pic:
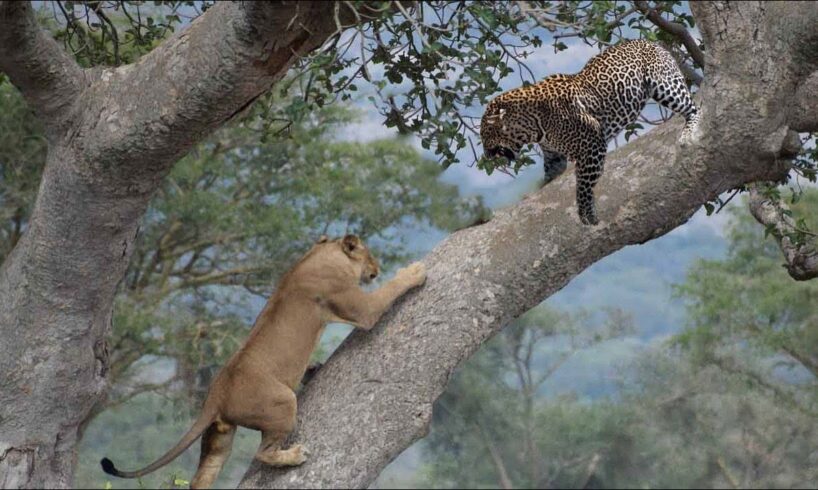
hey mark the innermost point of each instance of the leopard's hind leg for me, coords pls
(668, 88)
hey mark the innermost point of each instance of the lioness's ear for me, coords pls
(323, 239)
(350, 243)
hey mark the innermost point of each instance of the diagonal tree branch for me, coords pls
(673, 28)
(801, 259)
(200, 78)
(48, 77)
(374, 396)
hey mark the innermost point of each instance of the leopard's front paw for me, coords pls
(588, 216)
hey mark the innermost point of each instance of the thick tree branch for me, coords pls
(198, 79)
(801, 259)
(804, 115)
(374, 396)
(46, 75)
(674, 28)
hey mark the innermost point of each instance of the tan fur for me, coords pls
(255, 389)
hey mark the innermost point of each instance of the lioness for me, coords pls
(255, 387)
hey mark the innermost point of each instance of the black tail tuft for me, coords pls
(108, 467)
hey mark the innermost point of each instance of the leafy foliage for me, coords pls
(675, 422)
(115, 33)
(427, 66)
(433, 67)
(749, 300)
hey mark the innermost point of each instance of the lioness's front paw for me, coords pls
(299, 454)
(414, 274)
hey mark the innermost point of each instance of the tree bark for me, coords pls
(374, 396)
(113, 135)
(801, 259)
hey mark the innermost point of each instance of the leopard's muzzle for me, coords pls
(501, 151)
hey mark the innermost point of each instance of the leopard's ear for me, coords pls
(323, 239)
(350, 243)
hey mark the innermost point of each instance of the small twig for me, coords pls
(673, 28)
(734, 194)
(98, 10)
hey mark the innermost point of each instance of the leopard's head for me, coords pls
(506, 127)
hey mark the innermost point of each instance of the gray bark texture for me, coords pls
(113, 135)
(374, 396)
(801, 259)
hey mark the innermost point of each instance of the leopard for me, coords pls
(572, 117)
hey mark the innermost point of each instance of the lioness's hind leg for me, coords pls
(275, 424)
(271, 453)
(217, 442)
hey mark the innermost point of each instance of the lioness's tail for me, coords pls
(204, 420)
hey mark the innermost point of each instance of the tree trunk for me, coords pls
(374, 396)
(113, 135)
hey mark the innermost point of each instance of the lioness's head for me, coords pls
(358, 253)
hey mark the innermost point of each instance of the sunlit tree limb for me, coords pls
(46, 75)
